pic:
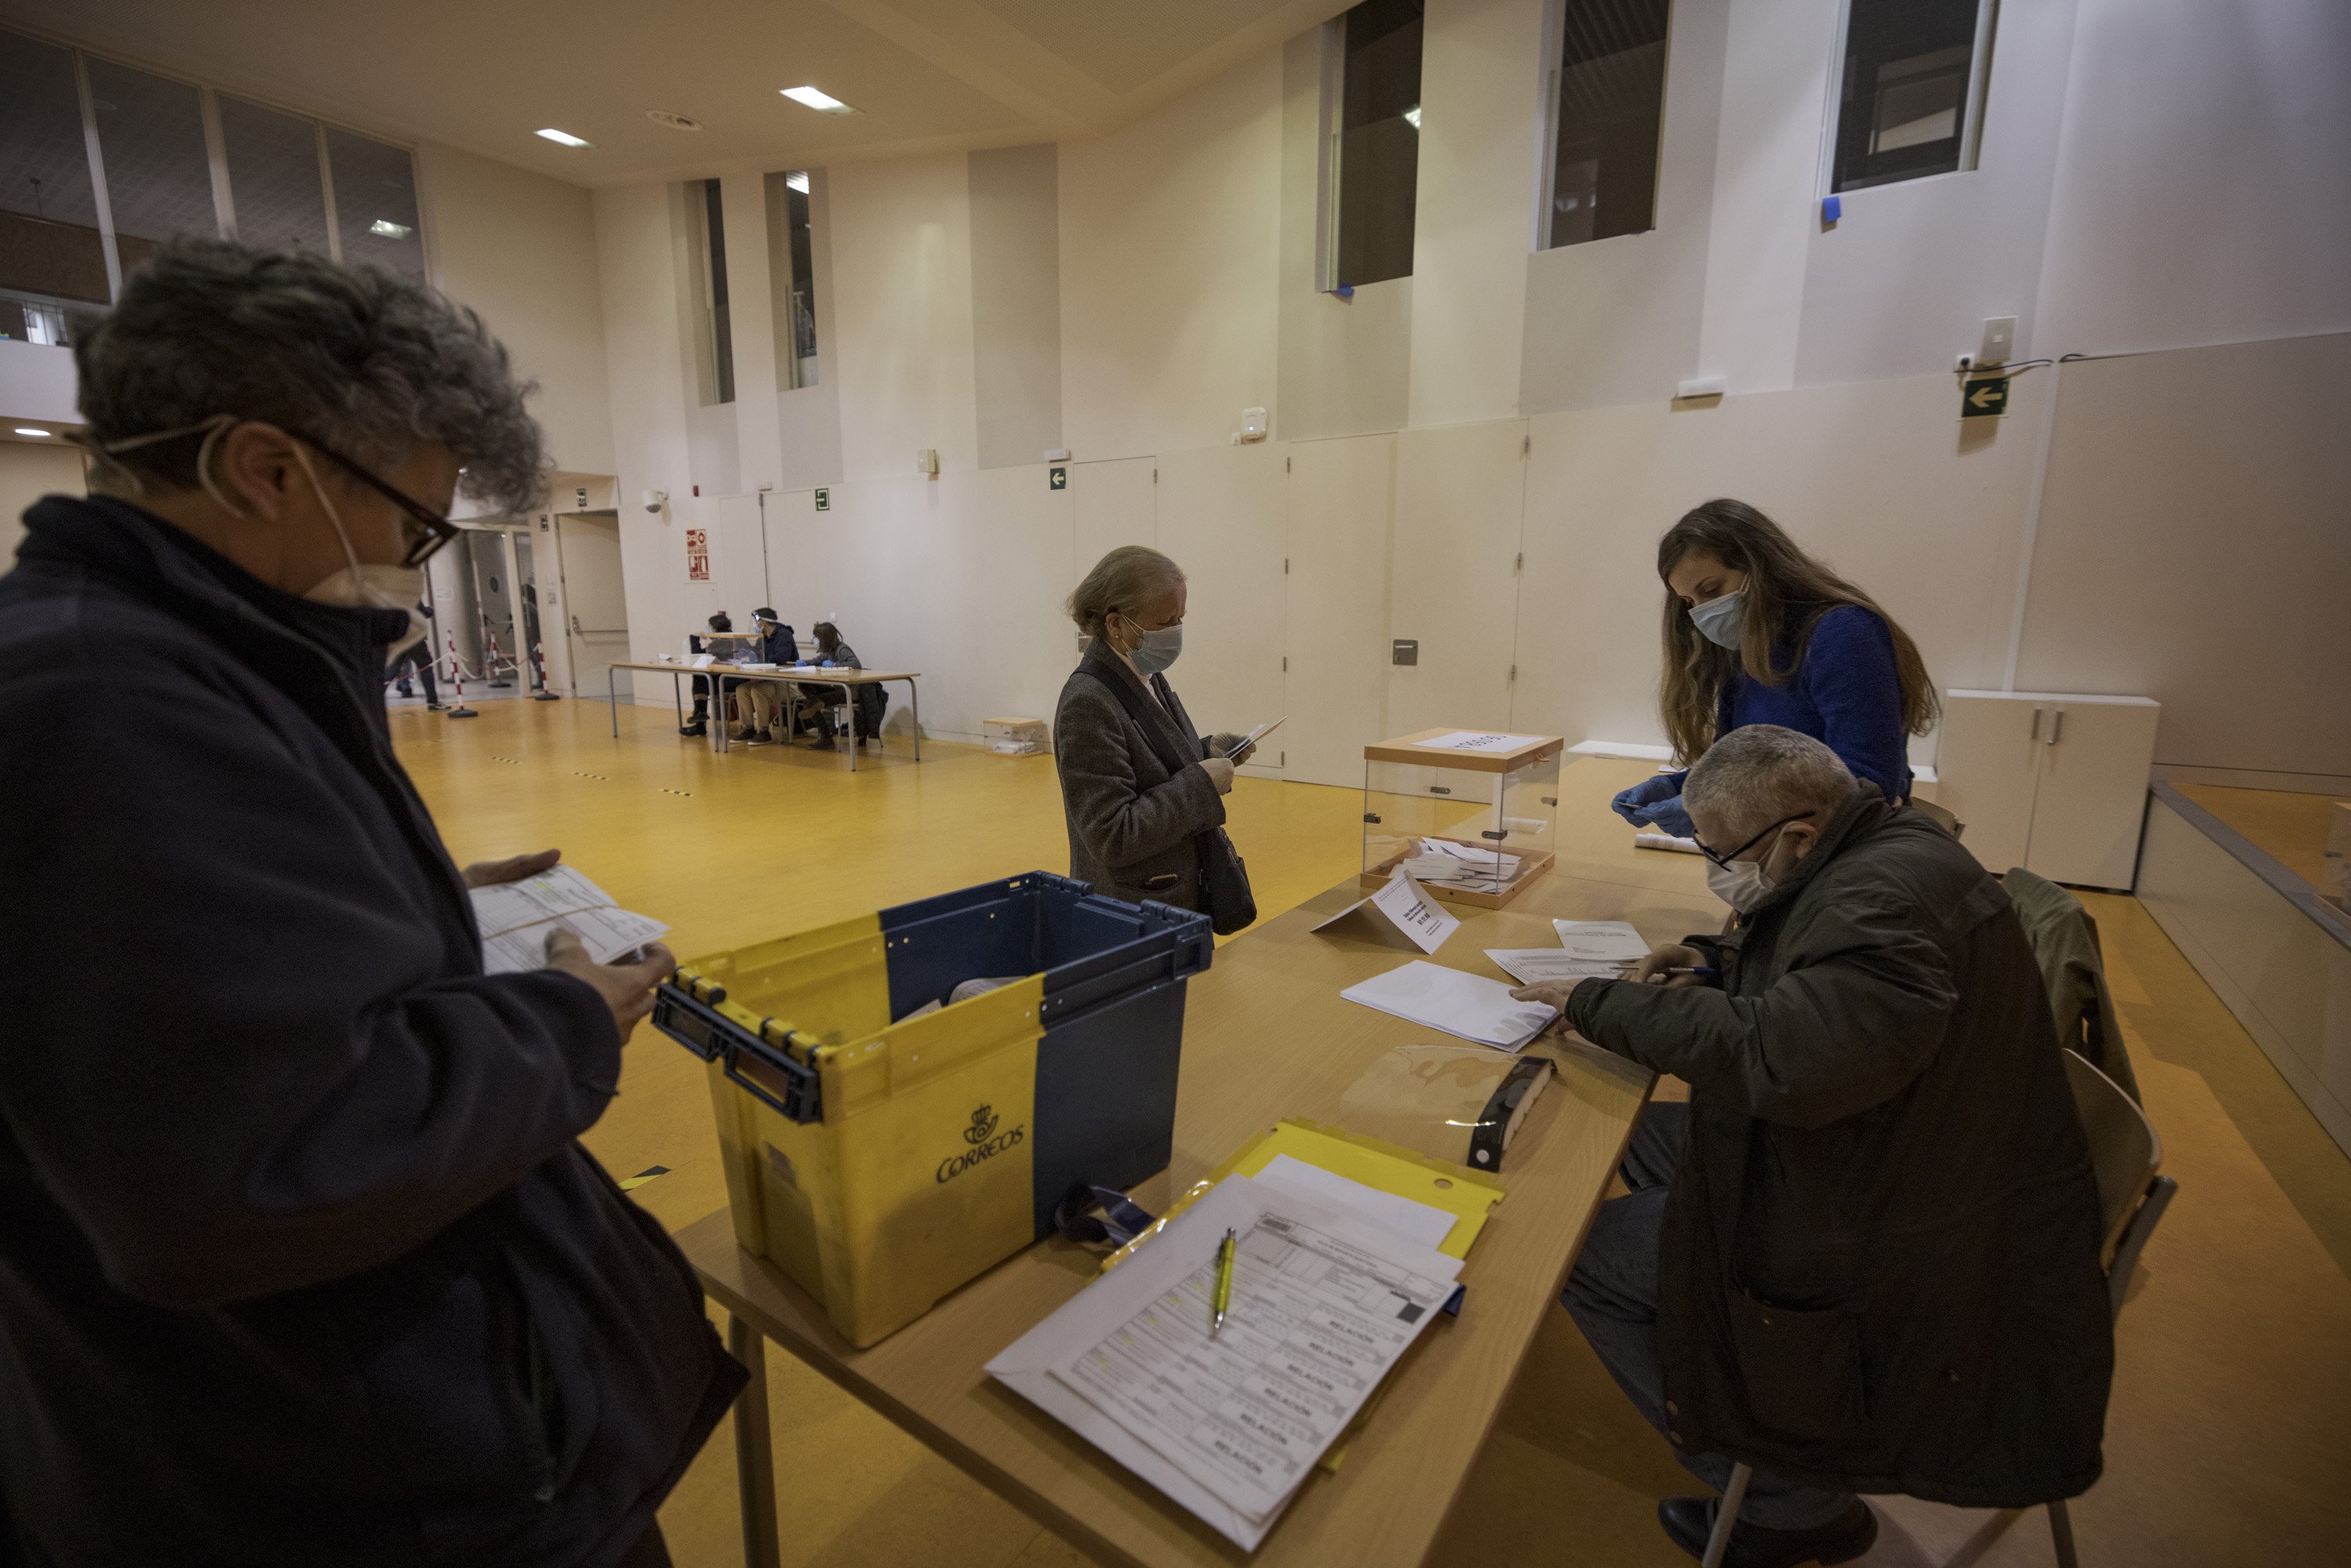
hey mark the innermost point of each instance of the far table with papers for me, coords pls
(1266, 1037)
(793, 676)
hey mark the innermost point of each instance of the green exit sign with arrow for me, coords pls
(1985, 398)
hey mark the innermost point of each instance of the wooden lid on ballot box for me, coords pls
(1416, 750)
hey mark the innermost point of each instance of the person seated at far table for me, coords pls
(776, 645)
(1864, 1258)
(816, 703)
(717, 650)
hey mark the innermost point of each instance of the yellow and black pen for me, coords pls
(1223, 1299)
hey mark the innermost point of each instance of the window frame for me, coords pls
(1330, 169)
(1970, 117)
(215, 154)
(1555, 43)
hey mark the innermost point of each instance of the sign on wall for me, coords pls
(1057, 478)
(698, 555)
(823, 500)
(1986, 398)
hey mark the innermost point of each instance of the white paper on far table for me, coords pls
(1477, 740)
(1402, 903)
(1466, 1005)
(1601, 940)
(517, 917)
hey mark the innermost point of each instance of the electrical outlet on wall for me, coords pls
(1999, 341)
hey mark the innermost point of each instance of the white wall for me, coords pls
(2153, 175)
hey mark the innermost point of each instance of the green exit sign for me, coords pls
(1984, 398)
(824, 500)
(1057, 478)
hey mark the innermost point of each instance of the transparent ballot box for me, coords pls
(1470, 813)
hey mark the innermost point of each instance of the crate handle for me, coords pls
(802, 1103)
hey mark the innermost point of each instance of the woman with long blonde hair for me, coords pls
(1757, 631)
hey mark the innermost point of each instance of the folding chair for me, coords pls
(2125, 1155)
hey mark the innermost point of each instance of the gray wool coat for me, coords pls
(1133, 825)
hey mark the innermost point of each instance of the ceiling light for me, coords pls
(1411, 118)
(675, 121)
(565, 137)
(798, 181)
(822, 103)
(390, 230)
(28, 430)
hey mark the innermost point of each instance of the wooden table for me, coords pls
(1266, 1037)
(788, 674)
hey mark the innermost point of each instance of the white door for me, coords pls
(2094, 760)
(1220, 517)
(1341, 514)
(1115, 504)
(1987, 770)
(1460, 496)
(738, 560)
(595, 614)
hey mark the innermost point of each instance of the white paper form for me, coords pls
(1253, 737)
(1470, 1005)
(517, 917)
(1403, 905)
(1418, 1222)
(1603, 941)
(1549, 966)
(1188, 1245)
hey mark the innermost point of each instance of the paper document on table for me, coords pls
(1549, 966)
(1470, 1005)
(1477, 740)
(1601, 940)
(1419, 1222)
(1403, 905)
(1323, 1304)
(517, 917)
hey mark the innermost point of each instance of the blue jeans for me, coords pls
(1612, 1294)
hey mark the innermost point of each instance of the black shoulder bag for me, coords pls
(1225, 892)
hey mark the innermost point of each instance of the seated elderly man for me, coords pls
(1864, 1258)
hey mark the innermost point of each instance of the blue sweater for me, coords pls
(1845, 694)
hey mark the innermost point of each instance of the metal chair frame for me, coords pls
(2143, 1206)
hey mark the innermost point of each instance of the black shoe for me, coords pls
(1690, 1520)
(405, 689)
(435, 707)
(694, 730)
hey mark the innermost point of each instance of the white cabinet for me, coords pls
(2054, 783)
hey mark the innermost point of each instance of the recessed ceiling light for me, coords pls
(28, 430)
(822, 103)
(566, 138)
(390, 230)
(675, 121)
(1412, 116)
(798, 181)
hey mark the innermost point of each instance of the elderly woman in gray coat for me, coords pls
(1135, 812)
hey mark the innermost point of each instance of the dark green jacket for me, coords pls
(2065, 945)
(1879, 1266)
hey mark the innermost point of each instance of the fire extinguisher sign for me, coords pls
(698, 555)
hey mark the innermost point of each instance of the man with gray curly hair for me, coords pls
(301, 1259)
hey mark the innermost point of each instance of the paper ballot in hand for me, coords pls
(517, 918)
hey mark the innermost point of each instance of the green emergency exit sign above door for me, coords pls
(1057, 478)
(1985, 398)
(824, 500)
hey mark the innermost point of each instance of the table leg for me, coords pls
(754, 1464)
(915, 701)
(613, 695)
(855, 745)
(677, 700)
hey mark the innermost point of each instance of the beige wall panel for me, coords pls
(902, 265)
(1114, 504)
(1455, 584)
(1220, 516)
(1342, 520)
(1016, 303)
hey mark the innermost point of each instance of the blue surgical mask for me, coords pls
(1720, 620)
(1158, 649)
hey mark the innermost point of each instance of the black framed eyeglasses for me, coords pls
(1724, 860)
(438, 529)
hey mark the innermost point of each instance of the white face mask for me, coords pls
(370, 585)
(1158, 649)
(1720, 620)
(1740, 885)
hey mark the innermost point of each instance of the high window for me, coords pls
(1608, 98)
(100, 164)
(703, 218)
(1910, 98)
(1374, 157)
(791, 280)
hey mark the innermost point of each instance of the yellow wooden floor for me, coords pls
(2226, 1440)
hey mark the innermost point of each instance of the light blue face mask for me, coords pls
(1720, 620)
(1157, 649)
